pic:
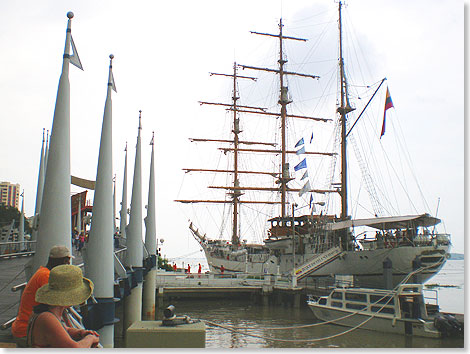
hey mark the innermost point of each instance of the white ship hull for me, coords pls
(366, 266)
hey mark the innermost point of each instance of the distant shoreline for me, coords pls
(457, 256)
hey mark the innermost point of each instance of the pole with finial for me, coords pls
(150, 282)
(55, 226)
(123, 211)
(133, 303)
(99, 250)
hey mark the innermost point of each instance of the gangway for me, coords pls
(317, 262)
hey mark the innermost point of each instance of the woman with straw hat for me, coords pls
(67, 287)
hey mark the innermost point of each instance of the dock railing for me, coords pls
(17, 248)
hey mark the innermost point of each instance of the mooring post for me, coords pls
(388, 275)
(416, 264)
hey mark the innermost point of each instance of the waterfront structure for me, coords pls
(9, 194)
(55, 221)
(100, 247)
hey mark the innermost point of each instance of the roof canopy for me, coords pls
(385, 223)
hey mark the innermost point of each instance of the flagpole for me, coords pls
(55, 223)
(100, 247)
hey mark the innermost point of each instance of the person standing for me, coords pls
(58, 255)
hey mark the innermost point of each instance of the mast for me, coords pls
(236, 130)
(343, 110)
(284, 178)
(283, 101)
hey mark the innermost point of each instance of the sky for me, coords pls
(164, 52)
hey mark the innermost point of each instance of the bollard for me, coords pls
(388, 275)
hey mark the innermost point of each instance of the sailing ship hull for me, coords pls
(366, 266)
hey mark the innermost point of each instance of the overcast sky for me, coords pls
(163, 54)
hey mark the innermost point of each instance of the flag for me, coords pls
(301, 150)
(305, 175)
(300, 165)
(305, 188)
(388, 104)
(311, 201)
(113, 84)
(311, 138)
(300, 142)
(74, 58)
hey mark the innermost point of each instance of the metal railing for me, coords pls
(17, 248)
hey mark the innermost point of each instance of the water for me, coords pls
(241, 313)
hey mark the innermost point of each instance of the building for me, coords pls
(9, 194)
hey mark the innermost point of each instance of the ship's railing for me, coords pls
(17, 248)
(421, 239)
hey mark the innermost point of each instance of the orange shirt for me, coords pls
(20, 325)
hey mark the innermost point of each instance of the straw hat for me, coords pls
(66, 287)
(60, 252)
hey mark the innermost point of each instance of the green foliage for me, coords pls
(8, 213)
(163, 264)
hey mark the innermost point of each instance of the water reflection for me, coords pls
(256, 320)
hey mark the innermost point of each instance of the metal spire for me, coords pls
(151, 245)
(123, 212)
(133, 305)
(100, 247)
(55, 225)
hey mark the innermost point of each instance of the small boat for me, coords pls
(401, 311)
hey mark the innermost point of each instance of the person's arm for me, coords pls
(50, 332)
(79, 333)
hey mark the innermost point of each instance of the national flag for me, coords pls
(300, 165)
(300, 142)
(301, 151)
(311, 138)
(305, 188)
(388, 104)
(74, 58)
(305, 175)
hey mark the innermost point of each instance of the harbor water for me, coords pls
(258, 321)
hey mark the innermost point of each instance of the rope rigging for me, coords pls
(235, 329)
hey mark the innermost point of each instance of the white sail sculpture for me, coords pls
(39, 190)
(21, 226)
(150, 282)
(123, 211)
(100, 247)
(133, 303)
(55, 221)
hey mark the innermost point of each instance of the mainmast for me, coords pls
(284, 177)
(343, 110)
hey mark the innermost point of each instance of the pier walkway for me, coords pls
(11, 275)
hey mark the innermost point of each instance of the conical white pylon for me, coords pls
(100, 247)
(55, 222)
(150, 282)
(133, 304)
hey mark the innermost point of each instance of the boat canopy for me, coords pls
(386, 223)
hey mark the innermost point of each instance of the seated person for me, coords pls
(67, 287)
(57, 255)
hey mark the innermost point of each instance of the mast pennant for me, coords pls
(74, 58)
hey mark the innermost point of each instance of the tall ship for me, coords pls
(307, 232)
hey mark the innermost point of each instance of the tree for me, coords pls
(8, 213)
